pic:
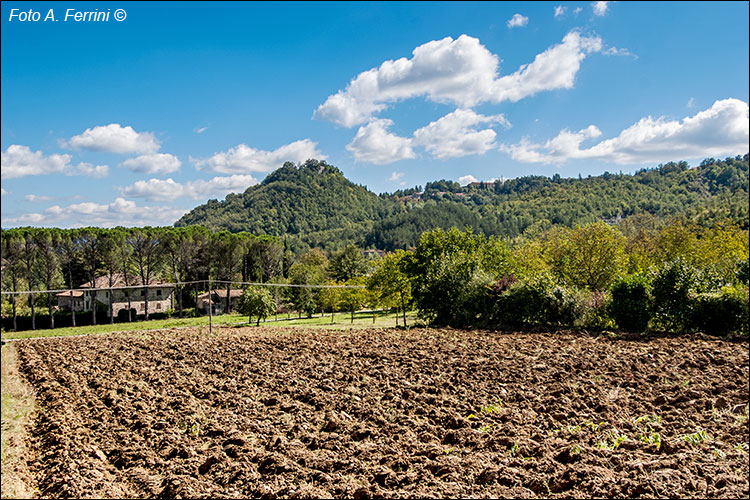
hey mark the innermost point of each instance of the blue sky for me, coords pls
(134, 122)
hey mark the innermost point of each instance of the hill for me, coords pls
(317, 206)
(313, 202)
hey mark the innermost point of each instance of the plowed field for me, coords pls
(437, 413)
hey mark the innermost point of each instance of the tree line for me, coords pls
(643, 272)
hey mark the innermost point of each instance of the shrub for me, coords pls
(630, 305)
(538, 302)
(595, 309)
(721, 313)
(743, 272)
(670, 292)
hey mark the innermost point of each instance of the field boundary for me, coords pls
(17, 407)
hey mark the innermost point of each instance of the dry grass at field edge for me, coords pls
(17, 405)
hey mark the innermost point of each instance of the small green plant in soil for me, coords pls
(614, 441)
(696, 438)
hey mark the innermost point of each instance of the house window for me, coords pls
(143, 293)
(158, 306)
(158, 292)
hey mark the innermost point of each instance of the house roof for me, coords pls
(222, 294)
(68, 293)
(118, 280)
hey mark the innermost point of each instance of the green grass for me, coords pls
(340, 320)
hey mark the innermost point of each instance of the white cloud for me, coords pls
(454, 135)
(577, 10)
(560, 10)
(3, 192)
(157, 163)
(396, 177)
(600, 8)
(200, 130)
(114, 138)
(19, 161)
(517, 20)
(34, 198)
(721, 130)
(374, 144)
(90, 170)
(691, 103)
(467, 179)
(154, 190)
(243, 159)
(461, 71)
(555, 68)
(166, 190)
(120, 212)
(614, 51)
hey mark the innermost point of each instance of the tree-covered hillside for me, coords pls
(316, 205)
(313, 203)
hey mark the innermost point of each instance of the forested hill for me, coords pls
(313, 202)
(317, 205)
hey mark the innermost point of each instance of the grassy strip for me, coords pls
(340, 320)
(17, 404)
(123, 327)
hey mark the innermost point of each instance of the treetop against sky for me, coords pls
(133, 113)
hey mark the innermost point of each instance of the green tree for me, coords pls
(47, 242)
(256, 301)
(450, 271)
(348, 263)
(12, 266)
(29, 259)
(148, 255)
(353, 298)
(391, 283)
(591, 256)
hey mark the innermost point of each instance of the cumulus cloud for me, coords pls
(467, 179)
(166, 190)
(721, 130)
(600, 8)
(157, 163)
(454, 135)
(374, 144)
(462, 72)
(243, 159)
(114, 138)
(120, 212)
(19, 161)
(560, 10)
(517, 20)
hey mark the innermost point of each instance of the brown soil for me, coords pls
(425, 413)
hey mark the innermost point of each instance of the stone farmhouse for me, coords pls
(219, 300)
(160, 296)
